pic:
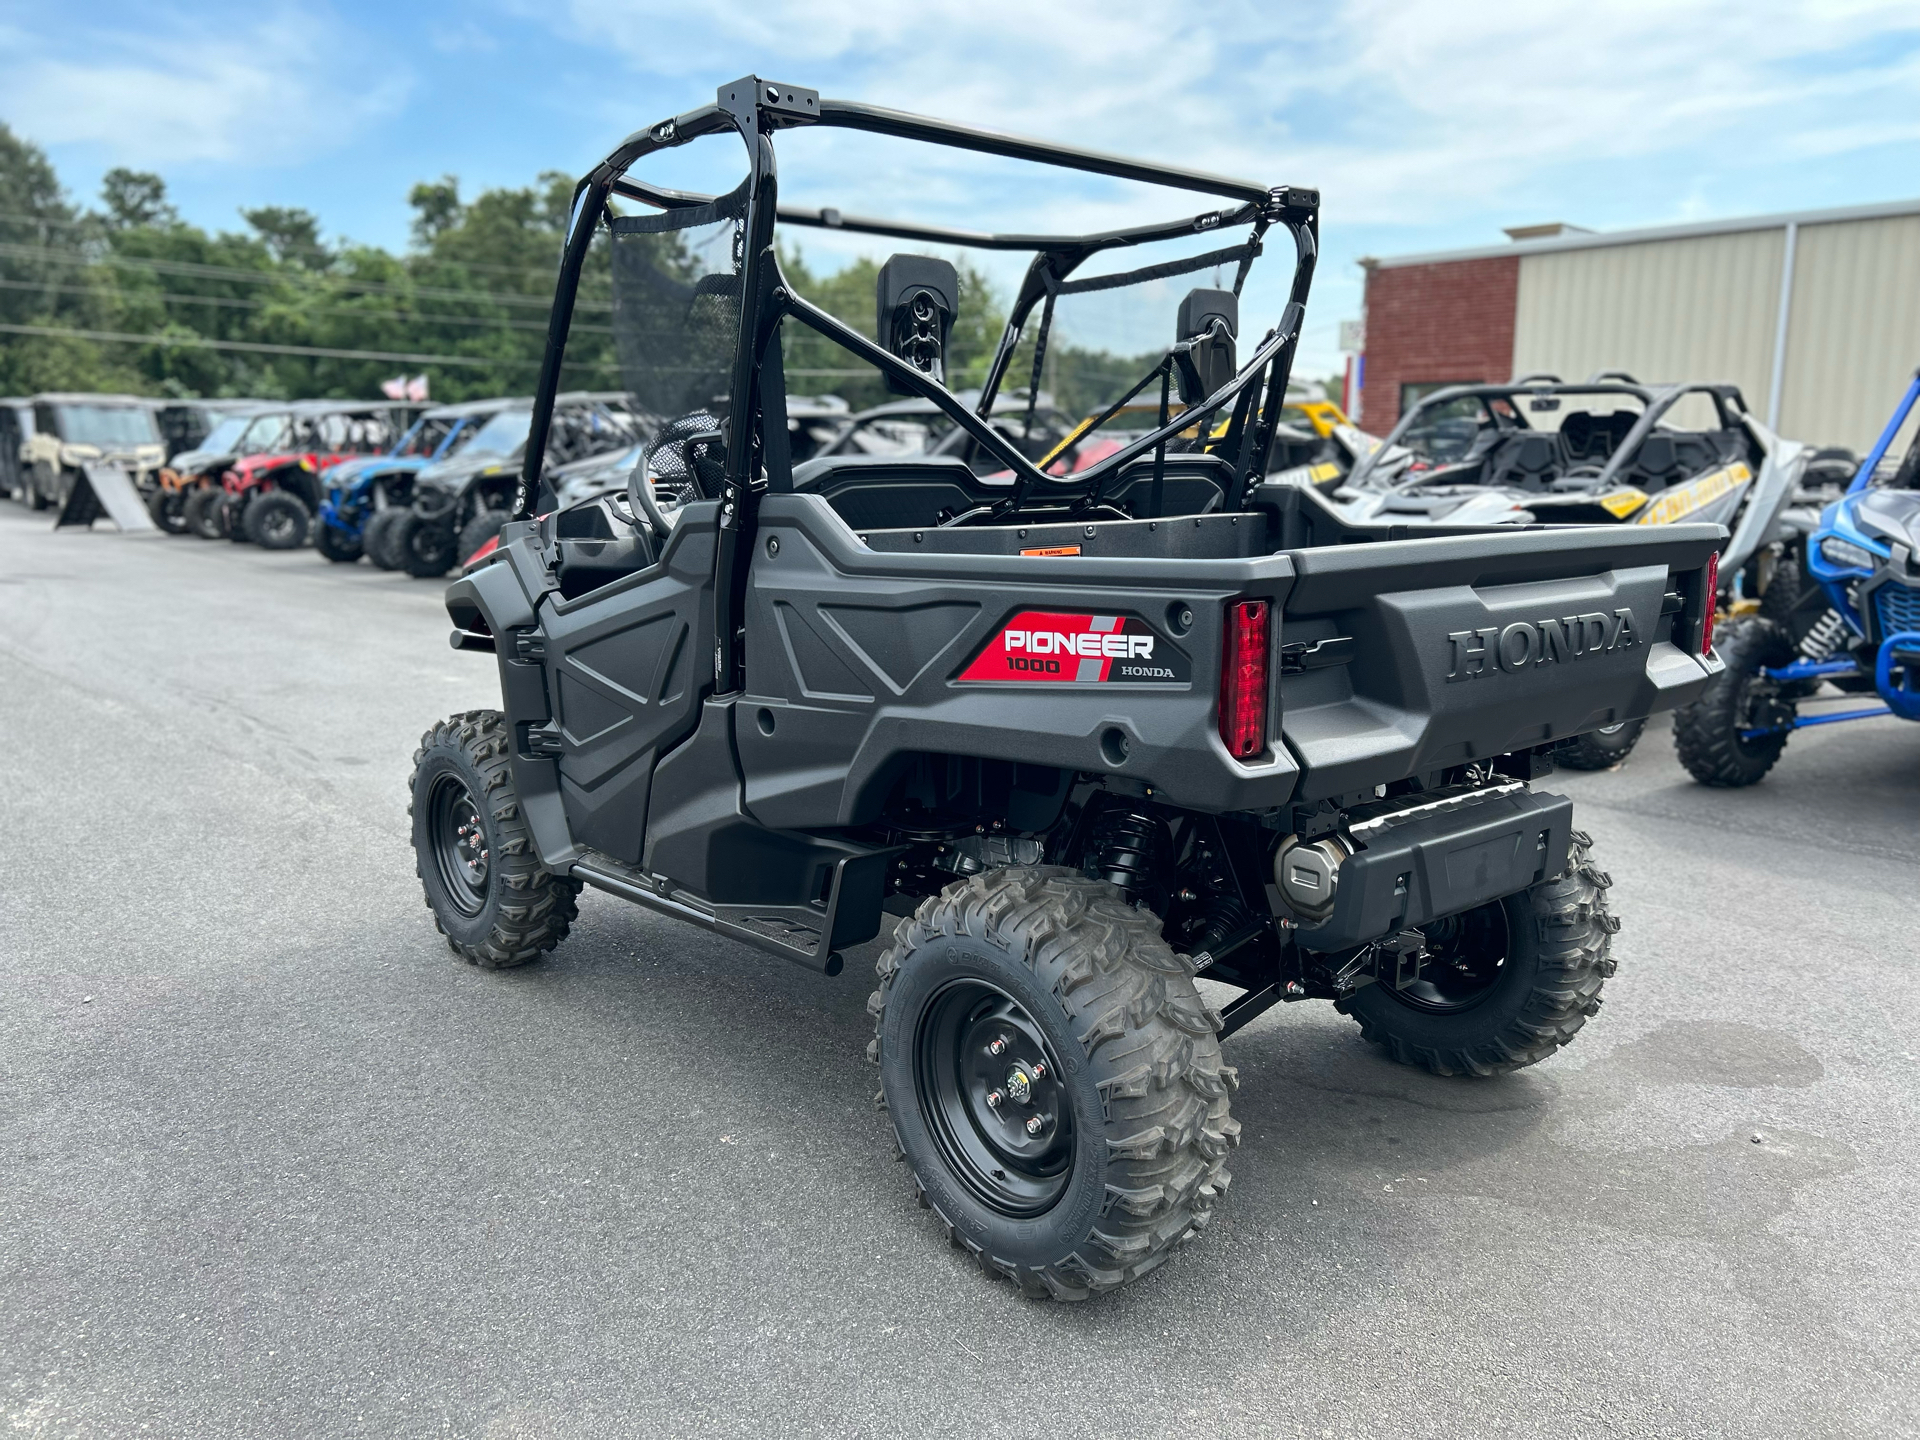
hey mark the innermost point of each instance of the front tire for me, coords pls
(276, 520)
(201, 512)
(168, 509)
(425, 546)
(1600, 749)
(376, 539)
(1708, 734)
(1084, 1175)
(1506, 984)
(484, 526)
(336, 544)
(490, 895)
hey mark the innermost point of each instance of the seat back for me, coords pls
(885, 492)
(1193, 485)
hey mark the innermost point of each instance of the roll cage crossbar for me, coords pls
(1657, 400)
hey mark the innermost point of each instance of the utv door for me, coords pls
(625, 666)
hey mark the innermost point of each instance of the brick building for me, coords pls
(1815, 315)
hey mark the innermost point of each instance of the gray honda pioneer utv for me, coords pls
(1094, 737)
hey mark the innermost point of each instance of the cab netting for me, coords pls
(676, 304)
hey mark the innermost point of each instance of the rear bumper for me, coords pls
(1408, 873)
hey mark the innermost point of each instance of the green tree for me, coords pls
(291, 235)
(135, 198)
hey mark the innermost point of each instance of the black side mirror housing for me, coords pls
(916, 299)
(1204, 355)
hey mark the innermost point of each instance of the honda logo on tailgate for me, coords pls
(1078, 649)
(1528, 644)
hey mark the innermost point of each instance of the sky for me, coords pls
(1424, 125)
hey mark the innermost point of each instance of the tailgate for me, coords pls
(1466, 647)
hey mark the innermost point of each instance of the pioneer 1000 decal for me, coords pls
(1038, 645)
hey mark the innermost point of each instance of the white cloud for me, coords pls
(1384, 103)
(277, 89)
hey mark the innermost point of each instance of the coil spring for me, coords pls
(1824, 638)
(1127, 847)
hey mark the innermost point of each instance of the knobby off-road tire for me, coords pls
(477, 531)
(1707, 733)
(1600, 749)
(425, 547)
(1137, 1098)
(1782, 592)
(1481, 1018)
(169, 510)
(336, 544)
(201, 512)
(377, 538)
(495, 902)
(275, 520)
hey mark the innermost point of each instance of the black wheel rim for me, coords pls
(460, 849)
(1466, 957)
(989, 1088)
(279, 525)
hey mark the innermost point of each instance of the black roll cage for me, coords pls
(1729, 403)
(756, 423)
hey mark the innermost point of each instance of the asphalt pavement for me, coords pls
(274, 1163)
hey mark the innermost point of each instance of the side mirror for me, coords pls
(1204, 356)
(915, 299)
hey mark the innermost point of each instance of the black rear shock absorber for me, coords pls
(1126, 849)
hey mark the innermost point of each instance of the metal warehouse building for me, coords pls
(1815, 315)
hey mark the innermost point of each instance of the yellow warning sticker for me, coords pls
(1325, 470)
(1678, 503)
(1622, 503)
(1053, 550)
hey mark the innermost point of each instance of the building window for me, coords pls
(1411, 395)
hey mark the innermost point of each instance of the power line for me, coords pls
(270, 277)
(195, 342)
(228, 302)
(27, 218)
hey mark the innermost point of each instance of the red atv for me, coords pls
(271, 494)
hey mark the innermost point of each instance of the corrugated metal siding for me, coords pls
(1695, 309)
(1854, 336)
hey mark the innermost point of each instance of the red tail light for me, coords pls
(1713, 602)
(1243, 680)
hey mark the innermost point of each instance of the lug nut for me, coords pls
(994, 1097)
(1039, 1069)
(997, 1046)
(1035, 1124)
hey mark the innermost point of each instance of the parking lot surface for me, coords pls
(276, 1163)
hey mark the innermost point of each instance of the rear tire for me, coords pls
(1510, 983)
(377, 538)
(41, 487)
(336, 544)
(490, 895)
(1707, 733)
(1600, 749)
(425, 546)
(201, 512)
(483, 527)
(1133, 1125)
(275, 520)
